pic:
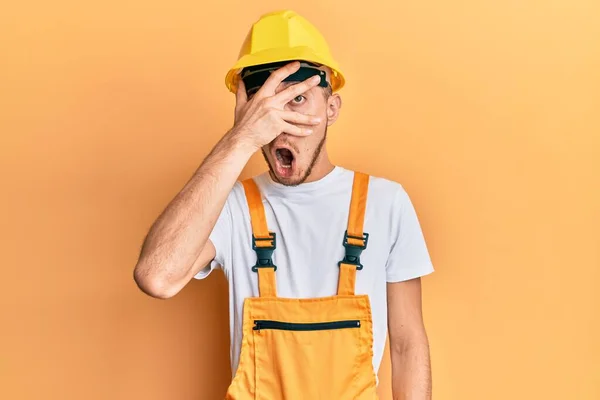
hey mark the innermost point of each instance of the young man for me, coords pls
(322, 262)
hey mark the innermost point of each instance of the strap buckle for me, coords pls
(264, 254)
(353, 251)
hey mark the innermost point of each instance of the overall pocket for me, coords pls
(261, 324)
(307, 360)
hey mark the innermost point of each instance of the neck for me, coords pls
(321, 168)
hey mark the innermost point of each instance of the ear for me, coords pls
(334, 104)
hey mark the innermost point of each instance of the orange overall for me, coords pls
(318, 348)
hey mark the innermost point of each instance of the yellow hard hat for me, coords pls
(283, 36)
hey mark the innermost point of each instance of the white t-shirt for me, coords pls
(309, 221)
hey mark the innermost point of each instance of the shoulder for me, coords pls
(237, 198)
(388, 191)
(384, 185)
(236, 201)
(237, 191)
(378, 185)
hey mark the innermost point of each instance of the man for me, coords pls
(321, 261)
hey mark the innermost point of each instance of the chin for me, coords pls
(286, 175)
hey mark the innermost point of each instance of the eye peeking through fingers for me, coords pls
(298, 100)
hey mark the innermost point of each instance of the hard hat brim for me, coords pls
(279, 54)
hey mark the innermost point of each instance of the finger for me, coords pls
(276, 77)
(299, 118)
(241, 97)
(295, 130)
(292, 91)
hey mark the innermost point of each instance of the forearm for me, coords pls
(179, 234)
(411, 370)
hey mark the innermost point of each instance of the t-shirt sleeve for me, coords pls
(221, 239)
(409, 257)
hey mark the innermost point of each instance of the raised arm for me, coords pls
(177, 245)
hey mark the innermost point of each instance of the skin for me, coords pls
(281, 114)
(409, 345)
(311, 161)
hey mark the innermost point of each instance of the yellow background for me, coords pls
(486, 111)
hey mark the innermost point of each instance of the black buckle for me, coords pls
(264, 255)
(353, 251)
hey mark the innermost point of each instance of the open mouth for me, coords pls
(285, 157)
(284, 161)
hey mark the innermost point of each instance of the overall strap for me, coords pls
(263, 241)
(355, 240)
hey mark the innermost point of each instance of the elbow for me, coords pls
(414, 341)
(154, 285)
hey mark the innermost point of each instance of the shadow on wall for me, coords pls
(209, 300)
(188, 336)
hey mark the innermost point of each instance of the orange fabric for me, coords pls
(347, 279)
(292, 358)
(297, 365)
(267, 286)
(356, 217)
(257, 212)
(358, 205)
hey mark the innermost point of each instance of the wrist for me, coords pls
(238, 140)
